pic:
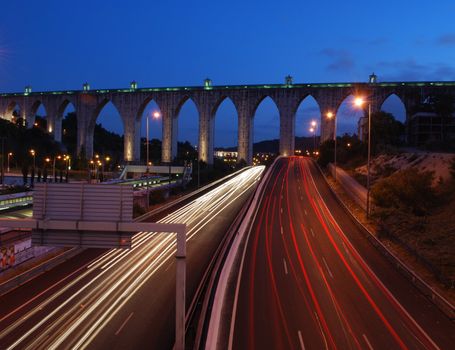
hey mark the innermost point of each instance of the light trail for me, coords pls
(109, 282)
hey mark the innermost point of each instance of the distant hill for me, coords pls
(272, 146)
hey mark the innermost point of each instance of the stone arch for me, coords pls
(9, 110)
(91, 123)
(259, 101)
(349, 117)
(217, 112)
(191, 108)
(391, 103)
(307, 110)
(272, 119)
(140, 140)
(31, 114)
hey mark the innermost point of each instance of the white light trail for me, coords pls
(114, 278)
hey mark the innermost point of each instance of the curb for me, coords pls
(443, 304)
(26, 276)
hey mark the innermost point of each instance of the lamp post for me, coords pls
(359, 102)
(155, 115)
(10, 154)
(33, 153)
(313, 130)
(330, 115)
(53, 167)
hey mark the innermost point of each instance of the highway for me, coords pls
(122, 299)
(309, 279)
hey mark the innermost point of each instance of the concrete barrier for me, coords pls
(355, 190)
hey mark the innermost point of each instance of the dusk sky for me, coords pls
(57, 45)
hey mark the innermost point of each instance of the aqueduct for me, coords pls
(131, 103)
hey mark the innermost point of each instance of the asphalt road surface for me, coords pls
(122, 299)
(311, 280)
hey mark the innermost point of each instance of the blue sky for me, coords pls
(56, 45)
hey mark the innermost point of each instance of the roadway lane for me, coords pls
(126, 298)
(310, 279)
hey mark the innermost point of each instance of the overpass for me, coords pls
(131, 103)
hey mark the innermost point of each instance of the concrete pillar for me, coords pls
(128, 139)
(206, 137)
(287, 131)
(57, 129)
(170, 129)
(85, 109)
(245, 136)
(28, 114)
(89, 142)
(137, 140)
(54, 121)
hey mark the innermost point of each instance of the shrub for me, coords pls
(407, 190)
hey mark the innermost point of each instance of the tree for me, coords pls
(385, 131)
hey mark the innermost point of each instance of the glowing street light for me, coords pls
(359, 102)
(33, 153)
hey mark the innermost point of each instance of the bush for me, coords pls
(408, 190)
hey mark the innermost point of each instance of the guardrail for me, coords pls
(443, 304)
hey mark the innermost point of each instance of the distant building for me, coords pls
(427, 127)
(226, 154)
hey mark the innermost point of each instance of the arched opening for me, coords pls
(395, 106)
(151, 120)
(349, 118)
(266, 130)
(38, 117)
(226, 132)
(307, 126)
(13, 113)
(104, 140)
(187, 124)
(65, 128)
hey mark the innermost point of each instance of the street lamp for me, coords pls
(359, 102)
(33, 153)
(330, 115)
(53, 166)
(10, 154)
(313, 130)
(155, 115)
